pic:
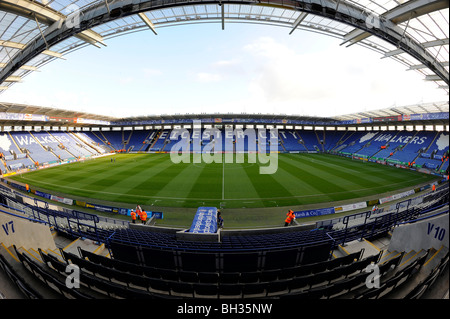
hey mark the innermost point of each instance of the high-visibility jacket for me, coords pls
(290, 217)
(143, 215)
(133, 215)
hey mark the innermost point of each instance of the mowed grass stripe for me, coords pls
(208, 185)
(298, 185)
(339, 177)
(372, 171)
(320, 180)
(140, 175)
(391, 178)
(375, 174)
(81, 185)
(266, 185)
(238, 184)
(183, 184)
(150, 181)
(118, 173)
(81, 172)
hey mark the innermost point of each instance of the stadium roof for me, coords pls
(436, 107)
(61, 117)
(36, 32)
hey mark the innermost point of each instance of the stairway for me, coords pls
(9, 290)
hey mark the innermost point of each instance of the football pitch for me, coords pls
(155, 180)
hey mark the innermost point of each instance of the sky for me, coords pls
(245, 68)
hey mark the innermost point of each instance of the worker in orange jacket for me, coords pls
(290, 218)
(143, 217)
(133, 216)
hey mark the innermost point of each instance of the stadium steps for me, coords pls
(127, 141)
(432, 260)
(65, 147)
(341, 141)
(83, 243)
(281, 142)
(320, 141)
(301, 141)
(154, 140)
(88, 142)
(18, 268)
(145, 139)
(370, 248)
(83, 144)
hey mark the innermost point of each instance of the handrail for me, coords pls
(422, 218)
(24, 217)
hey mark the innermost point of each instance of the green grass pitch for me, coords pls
(153, 179)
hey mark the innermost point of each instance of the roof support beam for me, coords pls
(410, 10)
(423, 66)
(425, 45)
(44, 15)
(435, 43)
(23, 67)
(432, 78)
(13, 78)
(346, 12)
(21, 46)
(147, 21)
(297, 21)
(222, 13)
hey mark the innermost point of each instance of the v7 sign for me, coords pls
(8, 227)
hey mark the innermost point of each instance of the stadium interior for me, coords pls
(396, 250)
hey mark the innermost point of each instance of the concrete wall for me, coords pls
(425, 234)
(24, 233)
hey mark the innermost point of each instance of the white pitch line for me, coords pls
(223, 177)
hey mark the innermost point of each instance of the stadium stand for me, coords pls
(332, 139)
(291, 141)
(137, 140)
(393, 145)
(412, 149)
(420, 149)
(160, 141)
(309, 140)
(98, 139)
(30, 144)
(122, 262)
(354, 142)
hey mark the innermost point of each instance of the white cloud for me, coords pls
(226, 63)
(151, 72)
(332, 81)
(125, 80)
(205, 77)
